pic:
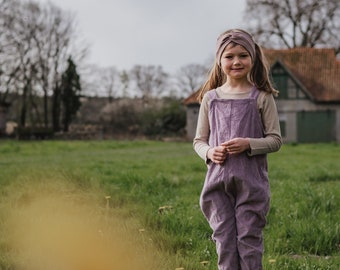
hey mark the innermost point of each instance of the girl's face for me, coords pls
(236, 62)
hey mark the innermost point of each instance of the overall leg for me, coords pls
(251, 208)
(218, 208)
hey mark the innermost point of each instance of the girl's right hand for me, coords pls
(217, 154)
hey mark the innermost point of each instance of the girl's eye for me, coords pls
(244, 55)
(229, 56)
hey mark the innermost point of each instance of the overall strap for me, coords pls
(212, 94)
(254, 93)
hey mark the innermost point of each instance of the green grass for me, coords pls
(143, 176)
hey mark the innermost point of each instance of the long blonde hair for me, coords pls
(258, 74)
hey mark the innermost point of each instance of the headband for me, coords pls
(241, 38)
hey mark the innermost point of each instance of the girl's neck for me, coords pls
(235, 86)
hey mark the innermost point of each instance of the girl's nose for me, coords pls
(236, 61)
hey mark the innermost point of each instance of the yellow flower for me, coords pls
(204, 263)
(162, 209)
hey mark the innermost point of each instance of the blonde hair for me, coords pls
(258, 74)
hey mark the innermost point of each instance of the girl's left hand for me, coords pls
(236, 145)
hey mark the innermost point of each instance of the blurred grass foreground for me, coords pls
(101, 205)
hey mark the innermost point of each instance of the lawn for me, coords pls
(134, 205)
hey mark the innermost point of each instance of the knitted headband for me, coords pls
(241, 38)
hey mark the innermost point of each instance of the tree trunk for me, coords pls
(23, 111)
(45, 109)
(56, 108)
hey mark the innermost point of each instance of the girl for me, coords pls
(237, 126)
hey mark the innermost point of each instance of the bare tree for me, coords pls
(190, 78)
(124, 82)
(17, 37)
(109, 80)
(101, 81)
(149, 80)
(36, 41)
(295, 23)
(56, 41)
(52, 38)
(90, 81)
(9, 55)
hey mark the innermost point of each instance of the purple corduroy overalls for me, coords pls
(235, 196)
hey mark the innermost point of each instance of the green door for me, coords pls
(318, 126)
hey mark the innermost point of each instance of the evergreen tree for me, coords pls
(70, 93)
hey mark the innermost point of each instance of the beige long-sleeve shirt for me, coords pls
(271, 141)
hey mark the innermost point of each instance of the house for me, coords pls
(309, 101)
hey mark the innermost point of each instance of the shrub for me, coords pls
(169, 120)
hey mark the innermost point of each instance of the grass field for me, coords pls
(134, 205)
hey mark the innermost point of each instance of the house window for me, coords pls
(291, 89)
(301, 95)
(280, 83)
(287, 87)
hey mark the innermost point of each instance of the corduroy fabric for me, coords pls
(235, 196)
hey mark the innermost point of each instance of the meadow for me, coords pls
(135, 205)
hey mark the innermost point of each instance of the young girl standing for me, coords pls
(237, 126)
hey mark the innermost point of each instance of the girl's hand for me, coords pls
(217, 154)
(236, 145)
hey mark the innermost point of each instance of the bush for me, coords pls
(169, 120)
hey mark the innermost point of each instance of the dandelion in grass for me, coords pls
(205, 263)
(163, 209)
(107, 201)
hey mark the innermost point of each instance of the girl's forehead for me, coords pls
(233, 47)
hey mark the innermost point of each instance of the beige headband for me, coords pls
(241, 38)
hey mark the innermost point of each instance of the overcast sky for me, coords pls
(170, 33)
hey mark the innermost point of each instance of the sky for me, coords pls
(167, 33)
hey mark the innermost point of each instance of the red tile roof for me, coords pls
(318, 70)
(192, 99)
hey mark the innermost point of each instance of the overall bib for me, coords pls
(235, 195)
